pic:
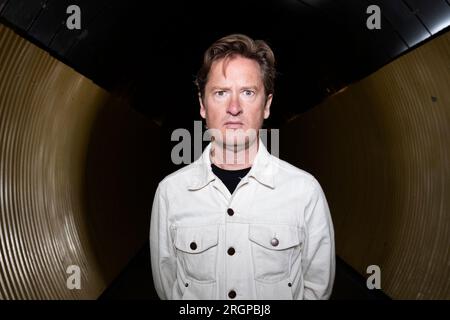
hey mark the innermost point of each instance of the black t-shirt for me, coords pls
(230, 178)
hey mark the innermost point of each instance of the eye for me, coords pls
(249, 93)
(220, 93)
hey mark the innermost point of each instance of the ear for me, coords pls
(202, 107)
(267, 106)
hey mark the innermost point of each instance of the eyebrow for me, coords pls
(229, 88)
(219, 88)
(251, 87)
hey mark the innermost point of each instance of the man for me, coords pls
(239, 223)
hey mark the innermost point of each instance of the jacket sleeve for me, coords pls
(163, 260)
(318, 257)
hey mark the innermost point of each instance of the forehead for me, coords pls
(235, 70)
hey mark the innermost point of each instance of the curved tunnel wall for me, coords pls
(62, 138)
(46, 110)
(381, 150)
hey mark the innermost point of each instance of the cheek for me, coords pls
(215, 107)
(214, 113)
(213, 117)
(257, 115)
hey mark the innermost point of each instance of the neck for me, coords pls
(232, 157)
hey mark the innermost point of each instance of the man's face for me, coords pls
(234, 102)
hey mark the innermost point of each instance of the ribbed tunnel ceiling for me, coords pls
(142, 46)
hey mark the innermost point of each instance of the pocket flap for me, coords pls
(196, 239)
(275, 237)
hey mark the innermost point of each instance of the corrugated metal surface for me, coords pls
(381, 150)
(46, 113)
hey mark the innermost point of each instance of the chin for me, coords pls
(238, 140)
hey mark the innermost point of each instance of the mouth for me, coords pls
(233, 124)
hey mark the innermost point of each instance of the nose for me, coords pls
(234, 107)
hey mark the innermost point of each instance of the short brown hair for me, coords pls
(242, 45)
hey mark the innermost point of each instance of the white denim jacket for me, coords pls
(272, 238)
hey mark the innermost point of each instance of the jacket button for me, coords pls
(186, 284)
(231, 251)
(232, 294)
(230, 212)
(289, 284)
(274, 242)
(193, 245)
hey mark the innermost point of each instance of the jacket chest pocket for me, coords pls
(197, 251)
(272, 248)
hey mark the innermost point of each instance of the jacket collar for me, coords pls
(262, 169)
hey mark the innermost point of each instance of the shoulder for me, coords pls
(286, 172)
(181, 177)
